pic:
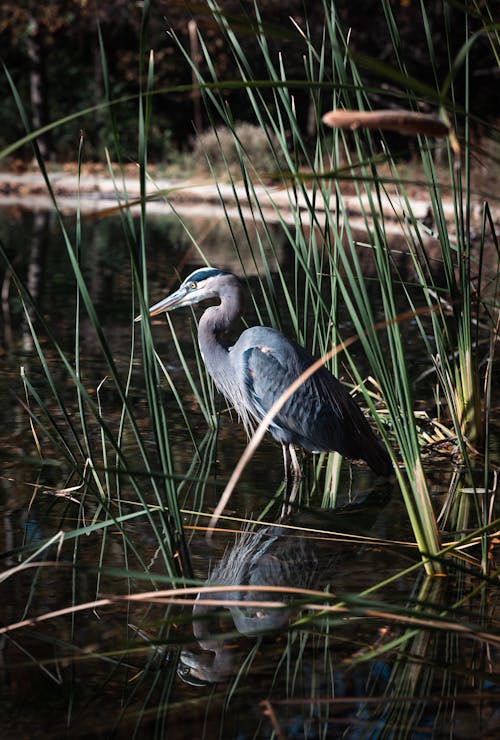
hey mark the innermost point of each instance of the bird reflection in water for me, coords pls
(271, 556)
(281, 556)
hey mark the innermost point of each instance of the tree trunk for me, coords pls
(35, 50)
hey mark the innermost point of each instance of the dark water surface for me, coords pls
(90, 673)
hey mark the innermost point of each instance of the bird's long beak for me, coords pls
(174, 300)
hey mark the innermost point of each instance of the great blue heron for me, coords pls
(320, 416)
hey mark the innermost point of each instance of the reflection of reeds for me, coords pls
(430, 676)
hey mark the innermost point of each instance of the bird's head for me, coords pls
(206, 282)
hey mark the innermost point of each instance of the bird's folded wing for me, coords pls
(321, 415)
(269, 372)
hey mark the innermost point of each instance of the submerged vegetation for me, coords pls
(325, 227)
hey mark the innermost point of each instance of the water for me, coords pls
(90, 673)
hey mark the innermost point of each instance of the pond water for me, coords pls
(126, 666)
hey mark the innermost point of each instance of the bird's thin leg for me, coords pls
(293, 491)
(296, 470)
(291, 482)
(286, 461)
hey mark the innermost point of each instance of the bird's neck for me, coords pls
(213, 333)
(217, 321)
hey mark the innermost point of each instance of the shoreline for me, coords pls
(95, 194)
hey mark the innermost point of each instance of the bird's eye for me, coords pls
(192, 285)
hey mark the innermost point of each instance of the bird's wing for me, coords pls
(320, 416)
(270, 369)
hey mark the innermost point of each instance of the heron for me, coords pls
(321, 416)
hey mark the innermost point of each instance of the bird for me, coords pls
(320, 416)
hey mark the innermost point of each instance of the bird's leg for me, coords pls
(286, 461)
(291, 486)
(296, 469)
(290, 460)
(293, 492)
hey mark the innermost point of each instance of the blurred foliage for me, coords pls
(52, 52)
(218, 147)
